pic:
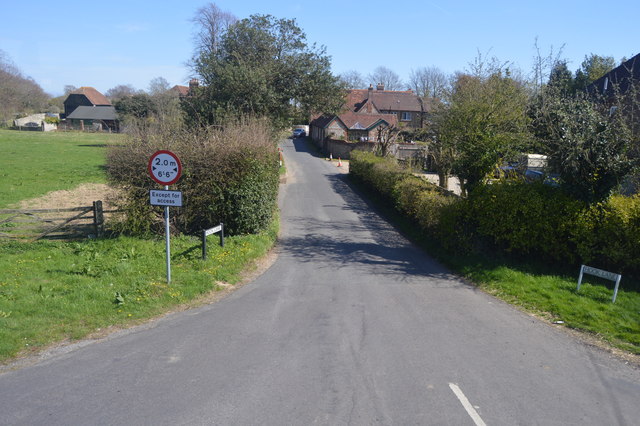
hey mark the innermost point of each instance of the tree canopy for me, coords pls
(592, 68)
(263, 66)
(483, 123)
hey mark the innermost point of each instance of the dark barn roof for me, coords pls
(107, 113)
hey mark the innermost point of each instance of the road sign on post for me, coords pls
(165, 168)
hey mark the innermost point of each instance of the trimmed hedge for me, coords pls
(520, 218)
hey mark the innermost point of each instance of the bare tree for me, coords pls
(166, 103)
(387, 77)
(429, 82)
(353, 80)
(544, 65)
(385, 137)
(18, 94)
(158, 86)
(69, 88)
(212, 23)
(120, 91)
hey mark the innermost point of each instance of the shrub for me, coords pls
(607, 235)
(435, 212)
(526, 218)
(520, 218)
(229, 175)
(379, 173)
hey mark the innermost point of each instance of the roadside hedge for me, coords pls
(229, 175)
(512, 216)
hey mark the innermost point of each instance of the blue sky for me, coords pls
(103, 44)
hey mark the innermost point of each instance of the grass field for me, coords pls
(56, 290)
(35, 163)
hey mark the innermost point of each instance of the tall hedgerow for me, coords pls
(524, 219)
(230, 175)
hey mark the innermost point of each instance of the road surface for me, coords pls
(352, 325)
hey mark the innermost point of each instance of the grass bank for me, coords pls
(36, 163)
(55, 290)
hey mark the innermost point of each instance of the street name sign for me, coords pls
(164, 167)
(584, 269)
(165, 198)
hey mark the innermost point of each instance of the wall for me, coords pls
(342, 149)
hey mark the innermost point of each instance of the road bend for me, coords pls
(352, 325)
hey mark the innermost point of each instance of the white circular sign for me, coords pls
(165, 167)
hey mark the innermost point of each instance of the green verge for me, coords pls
(56, 290)
(545, 290)
(39, 162)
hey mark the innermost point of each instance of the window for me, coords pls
(406, 116)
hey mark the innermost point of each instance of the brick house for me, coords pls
(368, 109)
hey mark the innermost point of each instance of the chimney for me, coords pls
(380, 86)
(370, 99)
(193, 83)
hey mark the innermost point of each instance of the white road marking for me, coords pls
(467, 405)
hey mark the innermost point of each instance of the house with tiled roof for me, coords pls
(184, 91)
(368, 109)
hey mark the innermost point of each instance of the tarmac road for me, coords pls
(352, 325)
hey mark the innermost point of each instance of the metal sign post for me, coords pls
(165, 168)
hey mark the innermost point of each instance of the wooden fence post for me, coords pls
(98, 218)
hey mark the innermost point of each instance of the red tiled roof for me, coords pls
(95, 97)
(384, 100)
(356, 121)
(180, 90)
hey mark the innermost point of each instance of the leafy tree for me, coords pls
(560, 85)
(264, 67)
(561, 78)
(383, 75)
(588, 147)
(592, 68)
(136, 106)
(484, 122)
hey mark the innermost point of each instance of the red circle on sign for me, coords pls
(165, 167)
